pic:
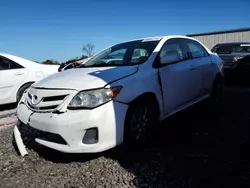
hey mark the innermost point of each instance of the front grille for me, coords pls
(29, 95)
(54, 98)
(47, 100)
(42, 108)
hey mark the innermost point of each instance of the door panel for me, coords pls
(202, 62)
(180, 80)
(178, 85)
(196, 83)
(205, 74)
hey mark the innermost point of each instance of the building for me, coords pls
(212, 38)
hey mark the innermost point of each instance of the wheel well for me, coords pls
(219, 77)
(28, 83)
(149, 96)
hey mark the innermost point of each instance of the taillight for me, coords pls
(59, 69)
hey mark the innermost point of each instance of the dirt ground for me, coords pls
(202, 147)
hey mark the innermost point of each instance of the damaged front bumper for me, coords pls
(103, 126)
(19, 142)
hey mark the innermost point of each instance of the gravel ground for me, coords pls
(7, 120)
(7, 113)
(200, 147)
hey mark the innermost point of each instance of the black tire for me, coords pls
(216, 97)
(141, 122)
(21, 91)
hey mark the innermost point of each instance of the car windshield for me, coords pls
(232, 48)
(129, 53)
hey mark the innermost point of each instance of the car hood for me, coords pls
(85, 78)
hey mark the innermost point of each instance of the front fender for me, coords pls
(137, 85)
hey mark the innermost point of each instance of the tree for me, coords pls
(88, 49)
(76, 59)
(51, 62)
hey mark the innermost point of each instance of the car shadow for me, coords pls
(199, 147)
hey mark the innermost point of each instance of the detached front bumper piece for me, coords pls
(19, 142)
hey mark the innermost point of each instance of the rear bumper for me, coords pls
(72, 126)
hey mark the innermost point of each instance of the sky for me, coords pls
(53, 29)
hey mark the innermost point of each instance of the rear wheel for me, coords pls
(217, 89)
(216, 97)
(21, 91)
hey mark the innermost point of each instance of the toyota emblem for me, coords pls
(34, 100)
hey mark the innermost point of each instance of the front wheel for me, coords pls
(141, 122)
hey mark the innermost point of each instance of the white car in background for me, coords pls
(17, 74)
(103, 103)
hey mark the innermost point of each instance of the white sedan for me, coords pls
(17, 74)
(104, 103)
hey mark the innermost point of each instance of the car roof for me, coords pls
(20, 60)
(158, 38)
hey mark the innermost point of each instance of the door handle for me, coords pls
(19, 73)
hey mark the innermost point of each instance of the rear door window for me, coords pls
(195, 49)
(6, 64)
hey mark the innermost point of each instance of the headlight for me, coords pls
(93, 98)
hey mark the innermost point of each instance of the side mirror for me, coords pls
(170, 57)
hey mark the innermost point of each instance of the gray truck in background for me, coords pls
(236, 61)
